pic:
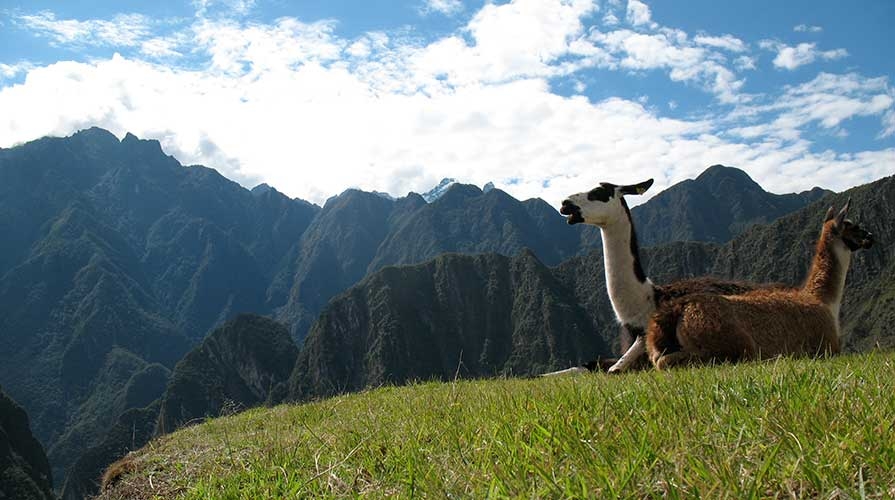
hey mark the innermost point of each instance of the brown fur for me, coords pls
(757, 324)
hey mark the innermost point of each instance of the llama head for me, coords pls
(601, 206)
(851, 234)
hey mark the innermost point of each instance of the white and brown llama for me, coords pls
(763, 323)
(634, 297)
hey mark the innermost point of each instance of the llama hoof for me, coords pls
(667, 361)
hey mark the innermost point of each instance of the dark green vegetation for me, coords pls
(117, 260)
(236, 367)
(783, 429)
(24, 469)
(455, 316)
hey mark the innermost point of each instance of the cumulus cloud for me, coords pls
(515, 40)
(8, 71)
(638, 13)
(291, 103)
(790, 58)
(673, 51)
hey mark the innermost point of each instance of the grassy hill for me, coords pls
(788, 428)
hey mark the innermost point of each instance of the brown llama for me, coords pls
(763, 323)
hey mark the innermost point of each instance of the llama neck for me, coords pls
(826, 278)
(629, 290)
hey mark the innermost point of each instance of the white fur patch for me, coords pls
(637, 349)
(568, 371)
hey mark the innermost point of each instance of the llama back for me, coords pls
(756, 325)
(785, 322)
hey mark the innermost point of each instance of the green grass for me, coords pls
(788, 429)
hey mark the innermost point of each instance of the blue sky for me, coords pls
(542, 97)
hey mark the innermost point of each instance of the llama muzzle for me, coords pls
(571, 211)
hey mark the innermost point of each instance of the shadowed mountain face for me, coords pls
(236, 366)
(133, 429)
(24, 469)
(358, 233)
(112, 246)
(715, 207)
(457, 315)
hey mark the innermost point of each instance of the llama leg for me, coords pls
(637, 349)
(678, 358)
(661, 335)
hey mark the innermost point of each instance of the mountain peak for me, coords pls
(456, 193)
(95, 132)
(439, 190)
(261, 189)
(717, 174)
(145, 146)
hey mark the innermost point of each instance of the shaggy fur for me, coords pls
(762, 323)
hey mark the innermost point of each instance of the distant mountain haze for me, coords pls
(117, 261)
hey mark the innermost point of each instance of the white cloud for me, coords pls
(299, 107)
(826, 101)
(124, 30)
(161, 47)
(805, 28)
(234, 48)
(744, 63)
(610, 19)
(514, 40)
(673, 51)
(638, 13)
(888, 124)
(445, 7)
(12, 70)
(726, 42)
(789, 57)
(206, 8)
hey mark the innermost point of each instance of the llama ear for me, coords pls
(831, 212)
(840, 218)
(636, 188)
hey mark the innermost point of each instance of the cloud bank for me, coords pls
(298, 106)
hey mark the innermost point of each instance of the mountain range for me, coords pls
(479, 315)
(119, 260)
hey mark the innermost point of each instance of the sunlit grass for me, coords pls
(802, 428)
